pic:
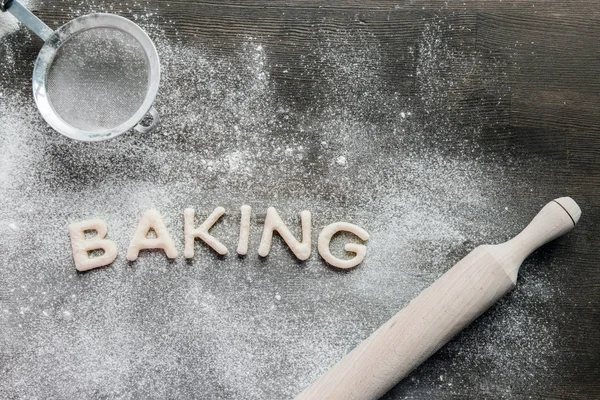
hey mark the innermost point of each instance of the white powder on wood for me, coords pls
(230, 135)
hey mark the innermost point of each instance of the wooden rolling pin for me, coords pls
(441, 311)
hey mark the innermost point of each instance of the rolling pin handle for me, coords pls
(555, 219)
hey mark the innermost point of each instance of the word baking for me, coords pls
(151, 220)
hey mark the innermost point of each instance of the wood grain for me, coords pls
(542, 57)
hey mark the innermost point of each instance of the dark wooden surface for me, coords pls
(546, 55)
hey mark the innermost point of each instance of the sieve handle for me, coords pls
(147, 128)
(27, 18)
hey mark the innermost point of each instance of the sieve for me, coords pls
(95, 77)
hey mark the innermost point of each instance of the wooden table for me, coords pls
(525, 75)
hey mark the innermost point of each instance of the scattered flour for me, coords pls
(230, 135)
(341, 161)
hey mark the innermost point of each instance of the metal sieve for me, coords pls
(95, 77)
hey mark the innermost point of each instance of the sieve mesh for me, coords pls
(98, 79)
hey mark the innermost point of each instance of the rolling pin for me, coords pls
(442, 310)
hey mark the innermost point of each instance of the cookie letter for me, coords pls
(274, 223)
(242, 248)
(140, 241)
(81, 246)
(360, 250)
(201, 232)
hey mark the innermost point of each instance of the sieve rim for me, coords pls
(62, 35)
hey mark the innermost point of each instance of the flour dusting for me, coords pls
(405, 167)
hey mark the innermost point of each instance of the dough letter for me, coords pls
(242, 249)
(274, 223)
(140, 241)
(360, 250)
(81, 245)
(201, 232)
